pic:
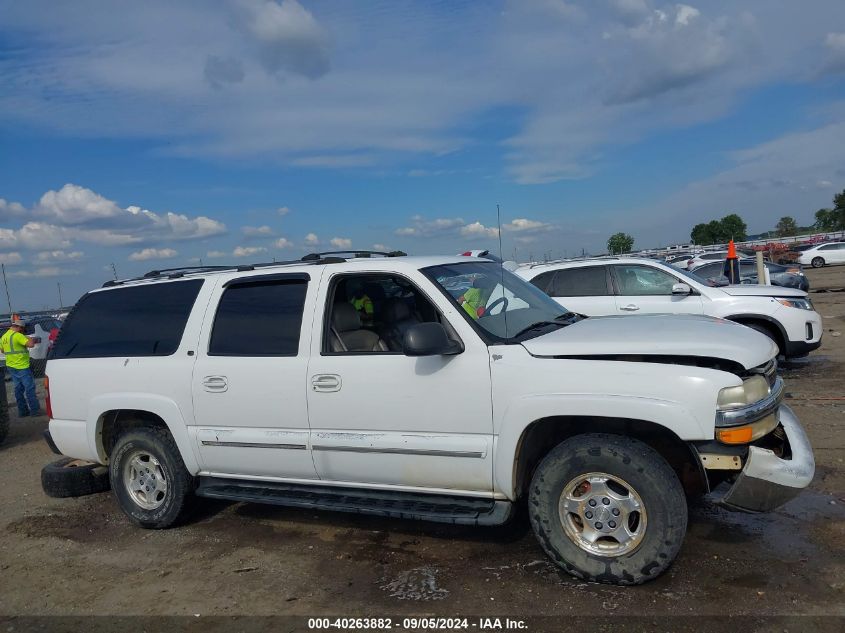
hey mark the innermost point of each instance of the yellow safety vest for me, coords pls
(364, 303)
(473, 299)
(16, 358)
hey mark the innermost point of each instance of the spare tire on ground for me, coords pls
(68, 477)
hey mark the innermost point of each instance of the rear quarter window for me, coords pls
(144, 320)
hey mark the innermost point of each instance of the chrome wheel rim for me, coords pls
(602, 514)
(145, 481)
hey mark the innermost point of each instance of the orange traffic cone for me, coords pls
(732, 264)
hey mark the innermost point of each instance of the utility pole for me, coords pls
(6, 283)
(59, 285)
(114, 270)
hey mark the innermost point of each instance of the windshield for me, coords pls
(696, 278)
(502, 304)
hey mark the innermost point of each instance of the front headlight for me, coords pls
(801, 304)
(750, 391)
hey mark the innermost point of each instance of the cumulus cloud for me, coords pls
(283, 211)
(10, 210)
(424, 228)
(258, 231)
(248, 251)
(73, 204)
(287, 37)
(477, 229)
(216, 254)
(341, 242)
(283, 242)
(44, 271)
(152, 253)
(382, 247)
(10, 258)
(59, 256)
(421, 227)
(524, 225)
(311, 239)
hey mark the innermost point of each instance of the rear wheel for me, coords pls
(149, 478)
(608, 508)
(817, 262)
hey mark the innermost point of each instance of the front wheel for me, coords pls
(149, 478)
(817, 262)
(607, 508)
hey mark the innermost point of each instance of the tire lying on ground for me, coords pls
(68, 477)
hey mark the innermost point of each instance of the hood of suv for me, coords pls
(755, 290)
(657, 335)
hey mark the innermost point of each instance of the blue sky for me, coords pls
(159, 134)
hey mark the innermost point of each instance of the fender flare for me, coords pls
(672, 416)
(738, 318)
(165, 408)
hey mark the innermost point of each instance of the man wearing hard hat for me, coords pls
(15, 345)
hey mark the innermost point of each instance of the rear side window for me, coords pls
(135, 321)
(589, 281)
(259, 319)
(544, 280)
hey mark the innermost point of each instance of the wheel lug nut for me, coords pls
(611, 524)
(615, 512)
(593, 502)
(599, 525)
(605, 501)
(588, 514)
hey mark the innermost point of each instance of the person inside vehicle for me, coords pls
(15, 345)
(360, 301)
(475, 298)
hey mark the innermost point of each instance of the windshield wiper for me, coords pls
(538, 324)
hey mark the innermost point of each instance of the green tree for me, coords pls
(786, 226)
(700, 234)
(620, 243)
(733, 228)
(825, 220)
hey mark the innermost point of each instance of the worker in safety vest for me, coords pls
(15, 345)
(474, 300)
(361, 302)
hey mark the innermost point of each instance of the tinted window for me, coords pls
(259, 319)
(589, 281)
(643, 280)
(710, 270)
(720, 255)
(136, 321)
(544, 280)
(828, 247)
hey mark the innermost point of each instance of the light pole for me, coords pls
(61, 303)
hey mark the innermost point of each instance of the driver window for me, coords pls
(643, 281)
(371, 313)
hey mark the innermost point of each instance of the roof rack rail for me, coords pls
(354, 253)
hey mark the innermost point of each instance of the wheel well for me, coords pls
(543, 435)
(770, 327)
(112, 424)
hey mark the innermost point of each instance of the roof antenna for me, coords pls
(502, 266)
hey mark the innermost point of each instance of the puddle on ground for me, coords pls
(419, 583)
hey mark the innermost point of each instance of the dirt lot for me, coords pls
(81, 557)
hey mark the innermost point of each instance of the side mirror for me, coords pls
(681, 289)
(429, 339)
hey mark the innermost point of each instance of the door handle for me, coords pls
(630, 307)
(215, 384)
(326, 383)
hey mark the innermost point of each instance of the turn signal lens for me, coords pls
(738, 435)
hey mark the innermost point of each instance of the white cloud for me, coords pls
(283, 242)
(382, 247)
(59, 256)
(248, 251)
(10, 258)
(152, 253)
(258, 231)
(341, 242)
(46, 271)
(283, 211)
(73, 204)
(216, 254)
(477, 229)
(311, 239)
(421, 227)
(524, 225)
(11, 210)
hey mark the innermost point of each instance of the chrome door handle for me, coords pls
(630, 307)
(326, 383)
(215, 384)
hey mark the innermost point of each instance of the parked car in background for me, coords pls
(704, 258)
(629, 285)
(788, 255)
(679, 261)
(786, 276)
(824, 254)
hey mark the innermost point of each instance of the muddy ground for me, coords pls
(81, 557)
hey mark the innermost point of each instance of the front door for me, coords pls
(647, 290)
(379, 417)
(250, 408)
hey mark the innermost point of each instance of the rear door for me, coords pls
(248, 385)
(584, 289)
(642, 289)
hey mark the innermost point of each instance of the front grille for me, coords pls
(768, 370)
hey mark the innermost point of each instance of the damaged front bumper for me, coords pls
(767, 481)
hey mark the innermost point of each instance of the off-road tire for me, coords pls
(68, 477)
(817, 262)
(180, 485)
(646, 471)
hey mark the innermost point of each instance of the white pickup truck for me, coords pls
(438, 388)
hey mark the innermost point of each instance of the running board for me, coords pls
(383, 503)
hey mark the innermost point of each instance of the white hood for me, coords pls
(759, 290)
(657, 335)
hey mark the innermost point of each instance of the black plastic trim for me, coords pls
(260, 279)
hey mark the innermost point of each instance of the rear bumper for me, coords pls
(767, 481)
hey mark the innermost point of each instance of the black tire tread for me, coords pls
(629, 454)
(61, 481)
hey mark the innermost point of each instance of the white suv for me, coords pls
(630, 285)
(467, 391)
